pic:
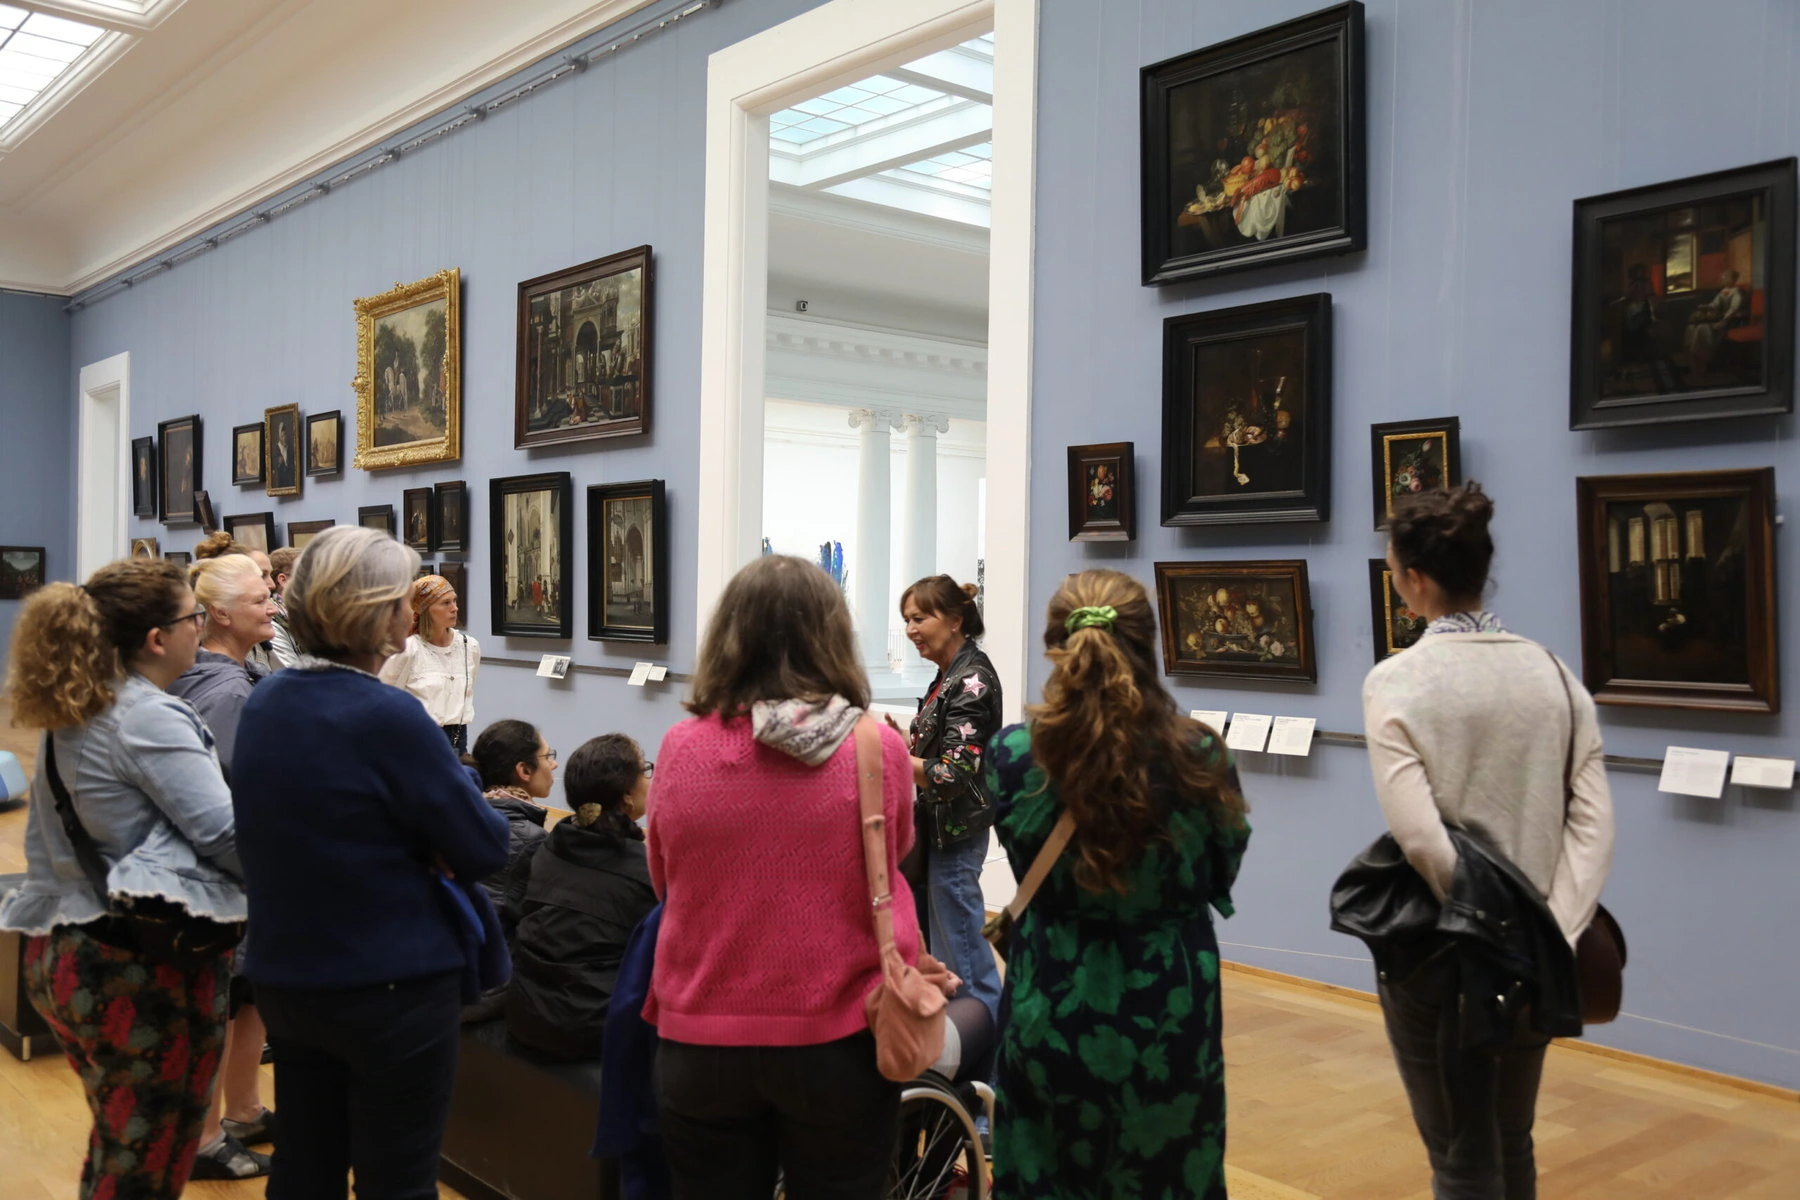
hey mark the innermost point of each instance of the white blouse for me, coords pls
(442, 677)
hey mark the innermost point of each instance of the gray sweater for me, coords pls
(1471, 729)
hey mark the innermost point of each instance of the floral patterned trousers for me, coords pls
(145, 1039)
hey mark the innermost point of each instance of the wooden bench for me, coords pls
(520, 1129)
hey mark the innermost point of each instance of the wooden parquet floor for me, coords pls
(1316, 1110)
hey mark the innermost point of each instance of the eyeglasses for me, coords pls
(547, 756)
(649, 768)
(198, 617)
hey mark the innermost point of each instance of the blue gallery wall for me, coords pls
(37, 403)
(1487, 119)
(607, 160)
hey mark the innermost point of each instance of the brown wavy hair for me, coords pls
(72, 645)
(781, 631)
(1107, 724)
(219, 543)
(942, 596)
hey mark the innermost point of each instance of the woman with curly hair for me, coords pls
(128, 784)
(1112, 1080)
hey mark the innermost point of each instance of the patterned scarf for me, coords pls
(809, 732)
(1480, 621)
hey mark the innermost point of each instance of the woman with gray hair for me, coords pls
(359, 951)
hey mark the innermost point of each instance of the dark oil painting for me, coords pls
(21, 571)
(1238, 619)
(1396, 626)
(584, 352)
(1677, 596)
(1254, 149)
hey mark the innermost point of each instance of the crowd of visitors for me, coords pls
(282, 747)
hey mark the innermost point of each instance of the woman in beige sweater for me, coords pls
(1470, 727)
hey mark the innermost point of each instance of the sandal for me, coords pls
(257, 1131)
(229, 1160)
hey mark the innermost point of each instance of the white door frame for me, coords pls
(103, 466)
(835, 44)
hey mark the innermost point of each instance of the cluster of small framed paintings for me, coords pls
(433, 518)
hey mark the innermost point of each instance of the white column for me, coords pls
(869, 567)
(919, 550)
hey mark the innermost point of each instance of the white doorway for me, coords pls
(103, 467)
(833, 46)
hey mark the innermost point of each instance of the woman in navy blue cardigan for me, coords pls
(351, 808)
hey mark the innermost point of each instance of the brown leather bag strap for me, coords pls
(867, 736)
(1046, 858)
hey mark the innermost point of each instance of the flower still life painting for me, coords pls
(1396, 626)
(1102, 497)
(1413, 456)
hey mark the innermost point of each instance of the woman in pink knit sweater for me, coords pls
(767, 946)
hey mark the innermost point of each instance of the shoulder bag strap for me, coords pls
(1046, 858)
(1569, 754)
(86, 852)
(867, 736)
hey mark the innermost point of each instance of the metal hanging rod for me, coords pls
(418, 136)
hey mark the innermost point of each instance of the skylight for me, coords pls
(918, 136)
(36, 49)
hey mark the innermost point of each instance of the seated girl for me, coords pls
(589, 888)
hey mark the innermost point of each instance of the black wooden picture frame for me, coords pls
(451, 505)
(1678, 590)
(418, 519)
(1412, 456)
(1102, 492)
(143, 477)
(247, 449)
(1666, 327)
(180, 445)
(628, 562)
(531, 531)
(325, 444)
(582, 373)
(1237, 619)
(255, 530)
(302, 532)
(1254, 149)
(1247, 414)
(377, 516)
(22, 571)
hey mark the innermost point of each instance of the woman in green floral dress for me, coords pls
(1112, 1081)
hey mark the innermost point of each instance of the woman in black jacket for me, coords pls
(589, 888)
(517, 766)
(955, 720)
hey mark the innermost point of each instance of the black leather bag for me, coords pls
(156, 928)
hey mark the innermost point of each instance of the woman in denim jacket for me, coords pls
(91, 665)
(953, 814)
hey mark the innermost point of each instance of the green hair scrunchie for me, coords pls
(1092, 617)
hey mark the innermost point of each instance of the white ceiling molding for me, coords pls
(119, 228)
(828, 362)
(827, 208)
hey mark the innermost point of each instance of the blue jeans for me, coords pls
(956, 914)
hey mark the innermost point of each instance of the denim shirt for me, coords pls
(145, 782)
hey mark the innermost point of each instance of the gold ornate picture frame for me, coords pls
(409, 374)
(283, 450)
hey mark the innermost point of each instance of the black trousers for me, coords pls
(732, 1116)
(362, 1080)
(1474, 1108)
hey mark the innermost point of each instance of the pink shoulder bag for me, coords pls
(906, 1009)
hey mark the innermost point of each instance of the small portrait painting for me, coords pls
(21, 571)
(1248, 620)
(282, 439)
(143, 477)
(452, 501)
(417, 513)
(324, 434)
(181, 445)
(247, 454)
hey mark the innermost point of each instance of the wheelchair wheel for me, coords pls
(937, 1155)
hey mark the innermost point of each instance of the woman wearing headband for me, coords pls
(1112, 1080)
(439, 662)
